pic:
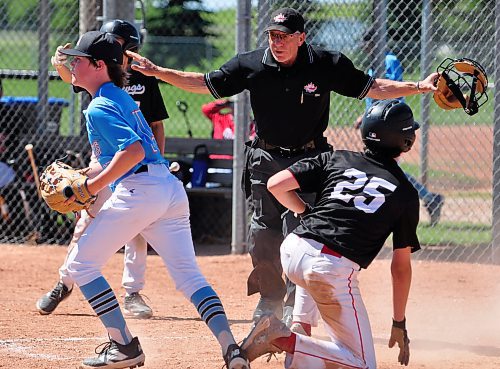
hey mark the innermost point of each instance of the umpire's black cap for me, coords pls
(286, 20)
(97, 45)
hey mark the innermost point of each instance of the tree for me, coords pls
(184, 20)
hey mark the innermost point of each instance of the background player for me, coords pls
(433, 202)
(290, 83)
(146, 199)
(146, 93)
(363, 198)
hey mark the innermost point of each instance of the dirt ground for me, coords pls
(453, 314)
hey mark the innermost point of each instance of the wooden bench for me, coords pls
(220, 170)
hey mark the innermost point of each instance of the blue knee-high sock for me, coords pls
(103, 300)
(211, 310)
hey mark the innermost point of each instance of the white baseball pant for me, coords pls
(153, 204)
(135, 253)
(332, 282)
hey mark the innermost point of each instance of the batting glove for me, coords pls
(399, 335)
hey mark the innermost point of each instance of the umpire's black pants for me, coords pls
(270, 222)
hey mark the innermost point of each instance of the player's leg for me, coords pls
(340, 306)
(305, 312)
(304, 264)
(63, 288)
(265, 235)
(112, 228)
(134, 270)
(171, 238)
(433, 202)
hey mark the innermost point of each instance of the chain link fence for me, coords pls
(452, 160)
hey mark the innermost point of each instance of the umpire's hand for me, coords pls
(399, 335)
(144, 65)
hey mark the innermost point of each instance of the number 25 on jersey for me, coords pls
(369, 187)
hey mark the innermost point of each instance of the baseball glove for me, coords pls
(462, 83)
(59, 182)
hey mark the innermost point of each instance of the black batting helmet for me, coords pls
(388, 128)
(124, 30)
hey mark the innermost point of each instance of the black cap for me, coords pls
(286, 20)
(99, 46)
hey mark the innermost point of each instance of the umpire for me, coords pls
(289, 83)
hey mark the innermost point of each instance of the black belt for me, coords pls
(285, 151)
(142, 169)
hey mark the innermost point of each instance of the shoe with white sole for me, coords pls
(116, 356)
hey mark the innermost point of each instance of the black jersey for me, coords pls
(146, 93)
(360, 201)
(290, 104)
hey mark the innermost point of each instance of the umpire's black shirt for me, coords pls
(290, 104)
(360, 201)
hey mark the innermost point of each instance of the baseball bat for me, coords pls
(29, 149)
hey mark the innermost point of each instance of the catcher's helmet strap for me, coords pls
(455, 89)
(472, 100)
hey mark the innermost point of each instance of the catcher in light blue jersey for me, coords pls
(146, 199)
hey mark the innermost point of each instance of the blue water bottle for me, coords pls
(200, 166)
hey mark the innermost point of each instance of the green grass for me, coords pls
(461, 180)
(448, 233)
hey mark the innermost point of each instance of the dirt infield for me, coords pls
(453, 314)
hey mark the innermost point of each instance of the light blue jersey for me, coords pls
(393, 71)
(114, 122)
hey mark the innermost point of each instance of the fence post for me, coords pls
(242, 115)
(264, 9)
(425, 99)
(495, 237)
(379, 37)
(43, 64)
(118, 9)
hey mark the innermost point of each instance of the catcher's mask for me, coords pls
(388, 128)
(467, 80)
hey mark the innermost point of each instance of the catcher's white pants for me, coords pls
(134, 268)
(332, 283)
(153, 204)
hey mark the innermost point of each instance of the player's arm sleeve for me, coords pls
(227, 81)
(345, 79)
(309, 172)
(109, 123)
(405, 230)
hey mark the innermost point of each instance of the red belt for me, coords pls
(329, 251)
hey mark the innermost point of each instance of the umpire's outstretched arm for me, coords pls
(188, 81)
